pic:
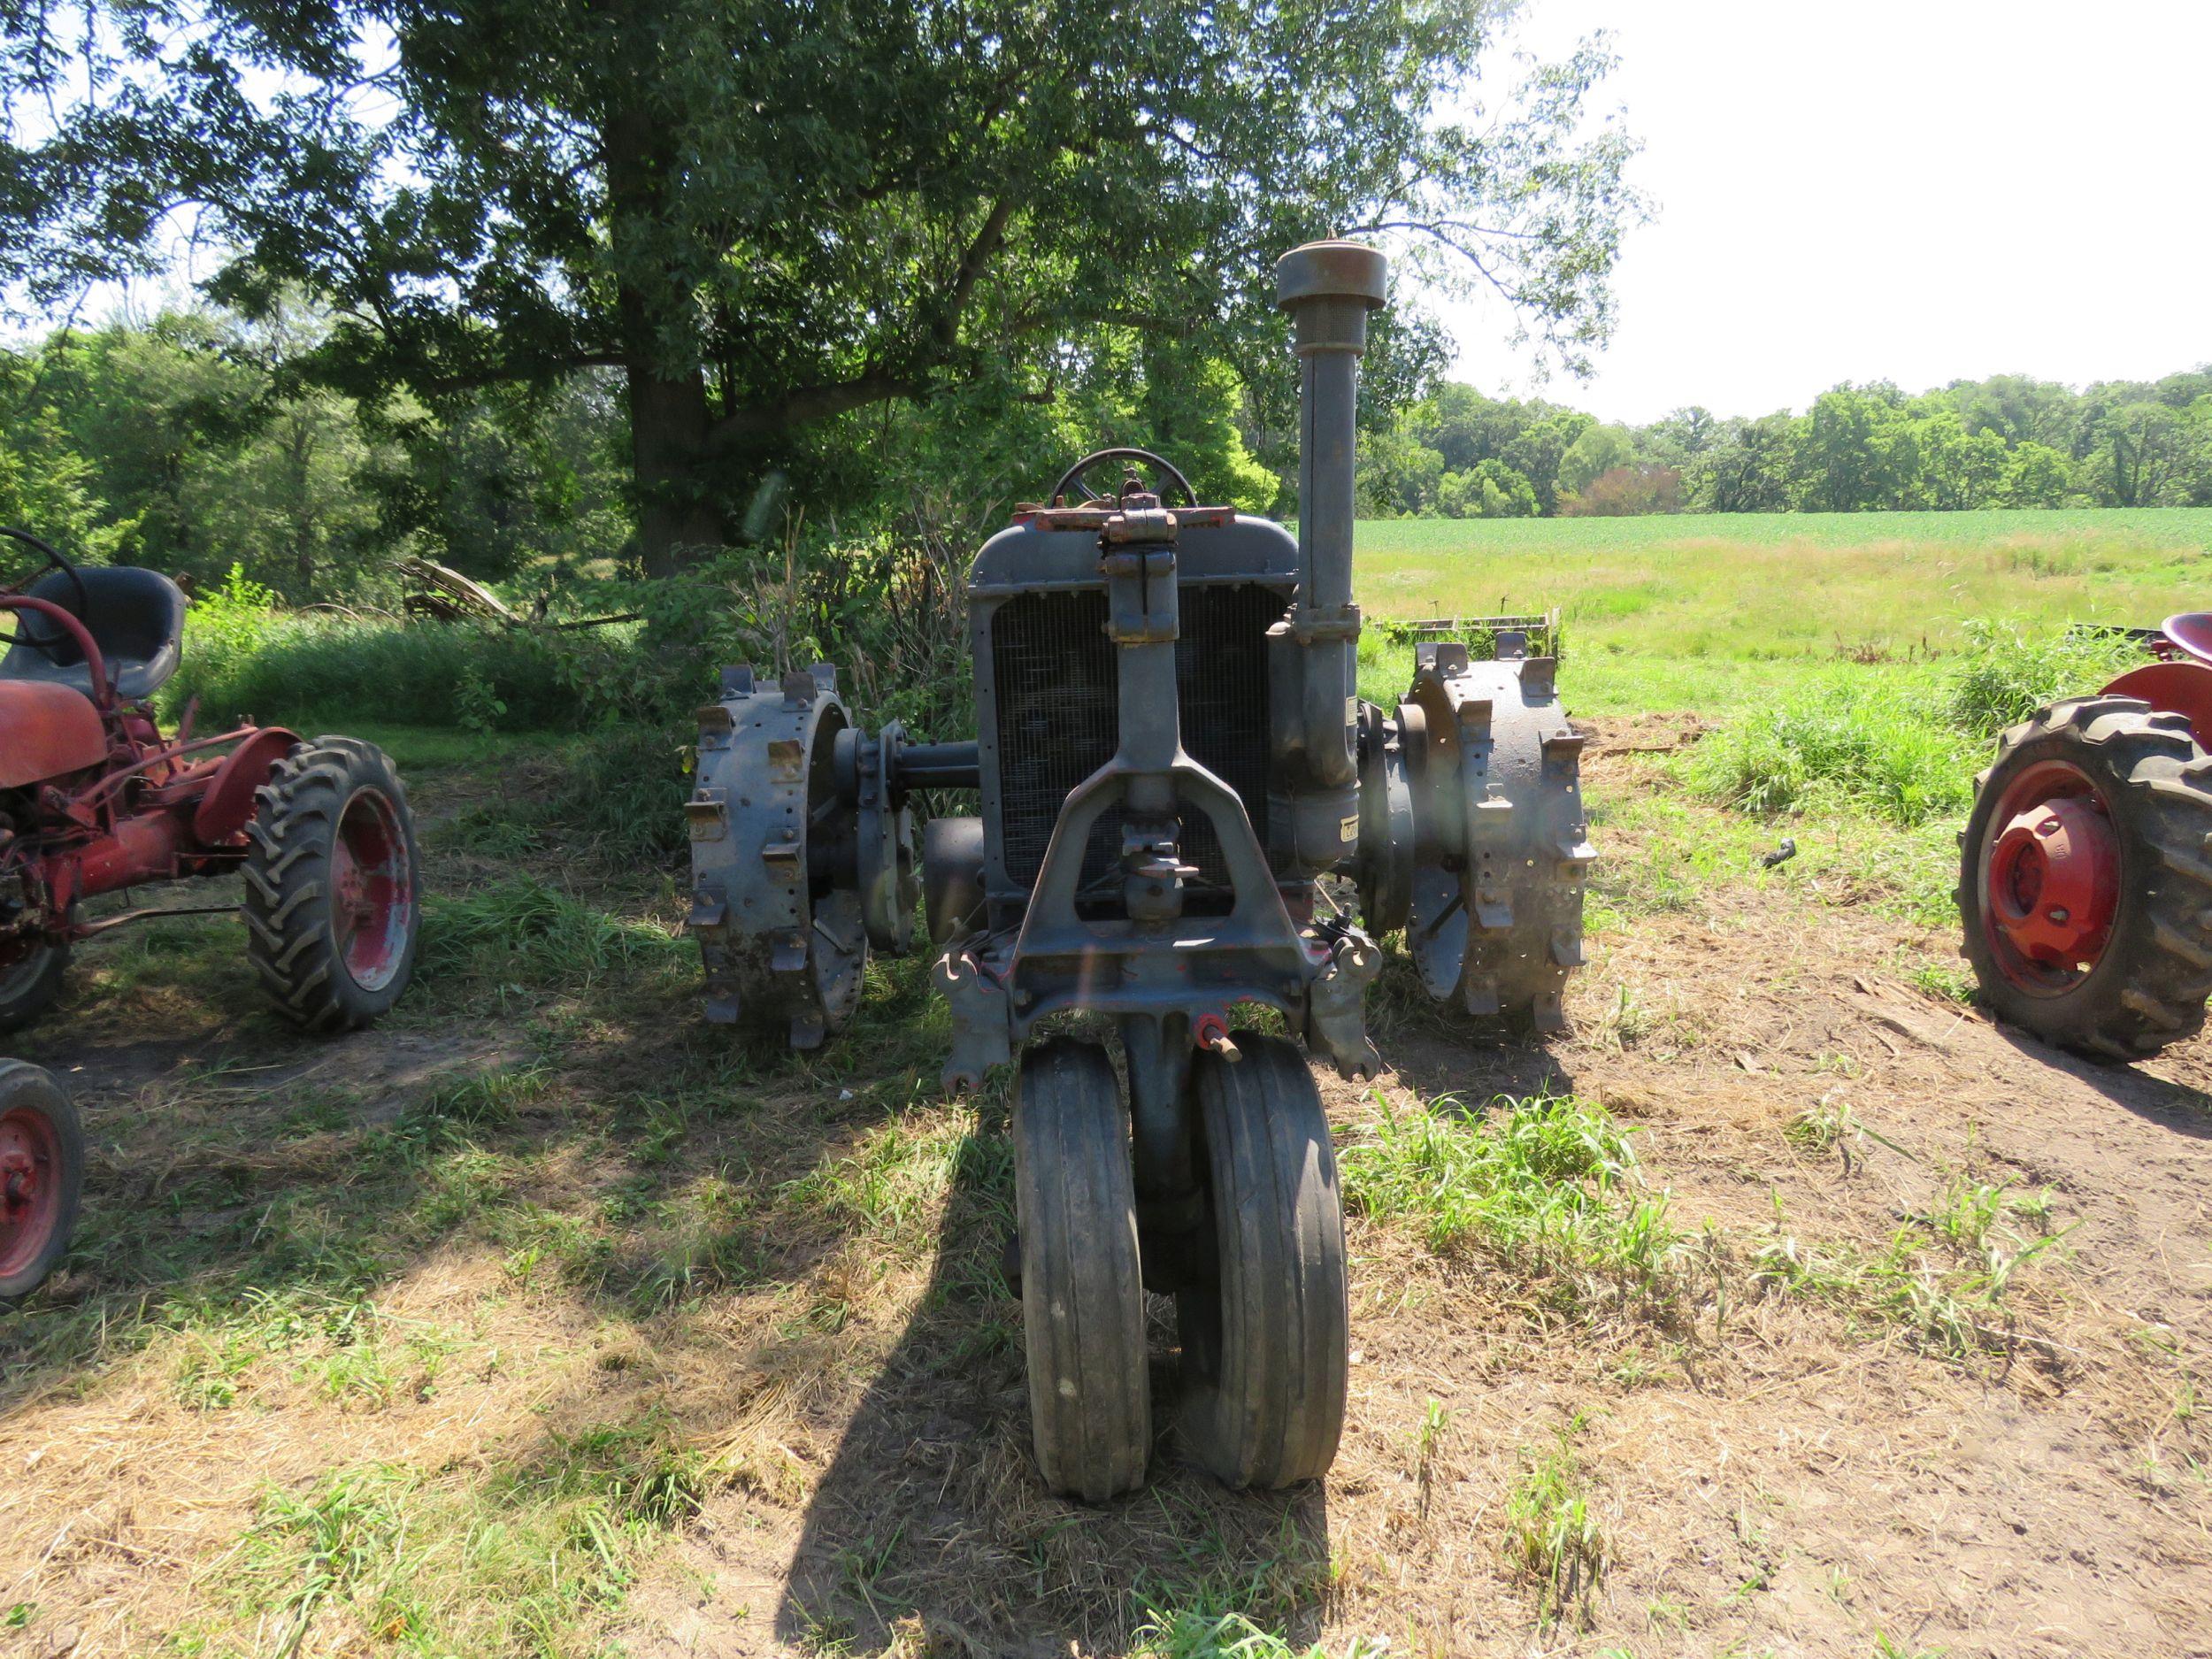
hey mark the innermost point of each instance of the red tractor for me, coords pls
(94, 800)
(2085, 883)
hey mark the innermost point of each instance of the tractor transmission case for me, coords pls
(1475, 842)
(777, 861)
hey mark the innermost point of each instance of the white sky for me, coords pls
(1914, 190)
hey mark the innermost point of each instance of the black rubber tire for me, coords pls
(2149, 986)
(32, 986)
(1090, 1402)
(1267, 1340)
(26, 1088)
(292, 923)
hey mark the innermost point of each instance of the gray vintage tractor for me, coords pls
(1181, 793)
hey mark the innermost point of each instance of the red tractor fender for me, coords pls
(227, 807)
(2181, 687)
(47, 732)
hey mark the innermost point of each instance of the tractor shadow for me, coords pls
(224, 1164)
(2177, 1107)
(1434, 1066)
(932, 1528)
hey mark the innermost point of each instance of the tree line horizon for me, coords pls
(191, 442)
(2006, 442)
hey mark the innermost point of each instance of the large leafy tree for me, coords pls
(764, 213)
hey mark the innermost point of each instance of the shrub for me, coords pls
(890, 608)
(1625, 492)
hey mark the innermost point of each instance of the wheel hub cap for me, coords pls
(2054, 882)
(28, 1153)
(372, 906)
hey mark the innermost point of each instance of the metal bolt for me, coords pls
(2057, 913)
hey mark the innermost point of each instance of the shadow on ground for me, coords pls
(2170, 1105)
(932, 1520)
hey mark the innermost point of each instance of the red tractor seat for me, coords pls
(136, 616)
(46, 732)
(2191, 633)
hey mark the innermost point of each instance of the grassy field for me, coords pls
(1703, 611)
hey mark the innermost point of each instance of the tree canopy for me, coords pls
(766, 216)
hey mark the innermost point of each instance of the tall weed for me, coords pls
(1854, 737)
(2005, 675)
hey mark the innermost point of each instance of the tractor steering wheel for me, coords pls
(26, 631)
(1162, 469)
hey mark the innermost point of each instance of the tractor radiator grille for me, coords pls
(1057, 722)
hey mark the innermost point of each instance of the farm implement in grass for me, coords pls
(1188, 813)
(95, 800)
(2086, 879)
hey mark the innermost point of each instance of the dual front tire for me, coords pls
(1263, 1317)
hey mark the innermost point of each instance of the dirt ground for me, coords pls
(1765, 1469)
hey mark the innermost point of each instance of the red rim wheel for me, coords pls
(41, 1173)
(2083, 884)
(31, 1172)
(2051, 887)
(375, 889)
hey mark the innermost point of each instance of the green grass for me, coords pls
(1947, 1277)
(434, 1563)
(1553, 1541)
(1548, 1185)
(1747, 585)
(1714, 612)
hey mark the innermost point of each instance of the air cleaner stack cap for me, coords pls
(1330, 287)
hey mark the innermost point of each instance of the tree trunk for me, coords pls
(668, 426)
(678, 520)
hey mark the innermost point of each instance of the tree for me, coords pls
(2141, 448)
(1599, 449)
(1398, 476)
(1536, 454)
(1490, 490)
(766, 215)
(1751, 468)
(148, 407)
(2037, 475)
(1858, 451)
(1681, 437)
(1959, 469)
(45, 486)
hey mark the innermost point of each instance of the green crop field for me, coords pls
(1703, 611)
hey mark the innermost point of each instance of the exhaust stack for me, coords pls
(1328, 288)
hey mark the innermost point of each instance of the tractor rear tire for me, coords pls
(42, 1176)
(31, 984)
(333, 907)
(2152, 785)
(1266, 1335)
(1090, 1405)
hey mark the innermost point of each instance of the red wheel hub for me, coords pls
(2052, 879)
(30, 1188)
(374, 901)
